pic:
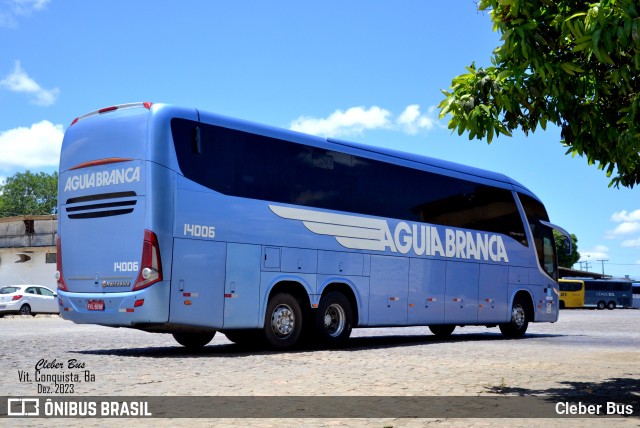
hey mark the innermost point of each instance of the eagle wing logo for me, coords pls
(358, 233)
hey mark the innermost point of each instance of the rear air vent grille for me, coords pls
(101, 205)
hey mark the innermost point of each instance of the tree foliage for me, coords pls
(564, 259)
(26, 193)
(571, 63)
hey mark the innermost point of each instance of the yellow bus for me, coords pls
(571, 293)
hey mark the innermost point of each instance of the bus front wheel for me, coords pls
(247, 337)
(517, 327)
(193, 340)
(334, 320)
(442, 330)
(283, 321)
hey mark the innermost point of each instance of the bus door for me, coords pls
(545, 287)
(197, 283)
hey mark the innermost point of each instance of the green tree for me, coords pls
(571, 63)
(564, 259)
(26, 193)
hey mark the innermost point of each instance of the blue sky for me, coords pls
(361, 70)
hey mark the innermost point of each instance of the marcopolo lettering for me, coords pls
(102, 178)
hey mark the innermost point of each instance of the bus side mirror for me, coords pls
(567, 237)
(568, 244)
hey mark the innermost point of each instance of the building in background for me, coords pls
(28, 250)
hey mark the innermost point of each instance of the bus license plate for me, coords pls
(95, 305)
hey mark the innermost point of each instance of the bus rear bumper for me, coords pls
(119, 309)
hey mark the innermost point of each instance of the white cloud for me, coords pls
(623, 215)
(631, 243)
(599, 252)
(629, 223)
(10, 10)
(412, 121)
(344, 123)
(34, 147)
(624, 228)
(356, 120)
(20, 81)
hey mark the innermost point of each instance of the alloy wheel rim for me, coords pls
(334, 320)
(518, 316)
(282, 321)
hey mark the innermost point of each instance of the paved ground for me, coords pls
(589, 353)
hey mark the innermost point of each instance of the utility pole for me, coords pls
(586, 264)
(603, 260)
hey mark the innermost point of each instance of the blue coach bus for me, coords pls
(607, 293)
(178, 221)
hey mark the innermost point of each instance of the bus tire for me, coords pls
(611, 305)
(193, 340)
(334, 319)
(442, 331)
(283, 321)
(517, 327)
(601, 305)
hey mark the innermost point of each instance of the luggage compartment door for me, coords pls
(197, 283)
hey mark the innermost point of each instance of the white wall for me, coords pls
(34, 271)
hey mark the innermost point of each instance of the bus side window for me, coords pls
(197, 141)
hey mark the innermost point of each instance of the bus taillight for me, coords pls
(107, 109)
(151, 267)
(62, 285)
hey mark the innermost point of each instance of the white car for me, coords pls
(28, 300)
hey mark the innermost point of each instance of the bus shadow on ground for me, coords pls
(622, 390)
(359, 343)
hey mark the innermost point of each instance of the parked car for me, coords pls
(28, 300)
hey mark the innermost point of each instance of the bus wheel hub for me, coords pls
(282, 321)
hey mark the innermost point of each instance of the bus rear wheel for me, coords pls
(517, 327)
(611, 305)
(283, 321)
(601, 305)
(193, 340)
(334, 320)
